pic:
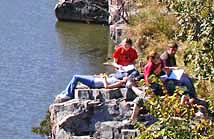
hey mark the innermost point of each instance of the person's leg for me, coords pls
(138, 92)
(187, 81)
(84, 79)
(170, 86)
(138, 103)
(135, 112)
(133, 73)
(156, 88)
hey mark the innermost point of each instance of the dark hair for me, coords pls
(172, 45)
(128, 41)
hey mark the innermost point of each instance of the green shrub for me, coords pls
(44, 128)
(196, 27)
(175, 121)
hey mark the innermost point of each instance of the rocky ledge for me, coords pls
(95, 11)
(95, 114)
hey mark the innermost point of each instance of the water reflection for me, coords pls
(87, 45)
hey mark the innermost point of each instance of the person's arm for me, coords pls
(164, 57)
(116, 56)
(147, 72)
(115, 65)
(137, 91)
(134, 56)
(117, 84)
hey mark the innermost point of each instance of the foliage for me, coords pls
(44, 128)
(195, 29)
(196, 26)
(177, 128)
(175, 121)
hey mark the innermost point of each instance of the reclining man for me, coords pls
(116, 80)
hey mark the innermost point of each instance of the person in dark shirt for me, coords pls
(169, 60)
(168, 56)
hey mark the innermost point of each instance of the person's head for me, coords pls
(154, 57)
(127, 43)
(172, 48)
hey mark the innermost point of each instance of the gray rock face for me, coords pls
(83, 10)
(93, 112)
(105, 94)
(110, 130)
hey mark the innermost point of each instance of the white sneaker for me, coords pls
(129, 121)
(199, 114)
(126, 121)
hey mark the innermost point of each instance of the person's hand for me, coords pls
(163, 79)
(120, 67)
(167, 70)
(125, 79)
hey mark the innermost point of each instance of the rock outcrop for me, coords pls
(112, 12)
(94, 113)
(95, 11)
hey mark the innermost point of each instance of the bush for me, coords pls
(196, 27)
(175, 121)
(44, 128)
(190, 22)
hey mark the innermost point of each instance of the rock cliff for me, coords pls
(94, 114)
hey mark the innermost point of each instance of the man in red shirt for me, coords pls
(125, 54)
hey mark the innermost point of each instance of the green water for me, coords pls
(39, 56)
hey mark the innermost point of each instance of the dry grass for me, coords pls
(152, 27)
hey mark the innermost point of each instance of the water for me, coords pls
(38, 58)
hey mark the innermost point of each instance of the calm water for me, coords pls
(38, 58)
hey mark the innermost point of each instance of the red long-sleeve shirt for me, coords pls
(152, 68)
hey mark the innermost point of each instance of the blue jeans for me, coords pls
(84, 79)
(187, 81)
(184, 81)
(156, 88)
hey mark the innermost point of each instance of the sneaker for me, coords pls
(129, 121)
(199, 114)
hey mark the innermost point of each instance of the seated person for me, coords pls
(124, 54)
(155, 66)
(168, 56)
(169, 60)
